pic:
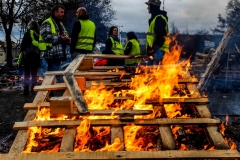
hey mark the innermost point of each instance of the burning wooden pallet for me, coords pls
(179, 127)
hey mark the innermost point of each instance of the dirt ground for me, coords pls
(11, 110)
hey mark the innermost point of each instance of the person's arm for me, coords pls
(46, 33)
(160, 31)
(108, 47)
(74, 36)
(26, 41)
(128, 48)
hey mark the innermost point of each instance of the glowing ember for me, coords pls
(142, 138)
(191, 138)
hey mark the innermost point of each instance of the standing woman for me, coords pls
(31, 58)
(132, 48)
(114, 46)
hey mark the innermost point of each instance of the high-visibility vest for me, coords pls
(34, 42)
(116, 47)
(42, 44)
(86, 35)
(135, 51)
(151, 35)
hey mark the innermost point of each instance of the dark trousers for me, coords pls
(30, 71)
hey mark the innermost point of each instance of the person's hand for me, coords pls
(66, 39)
(150, 50)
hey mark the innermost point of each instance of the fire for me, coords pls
(97, 139)
(173, 110)
(230, 142)
(44, 139)
(141, 138)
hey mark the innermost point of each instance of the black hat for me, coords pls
(154, 2)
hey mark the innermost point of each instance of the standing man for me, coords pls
(83, 37)
(53, 40)
(158, 32)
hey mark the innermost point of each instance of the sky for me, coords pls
(186, 14)
(191, 15)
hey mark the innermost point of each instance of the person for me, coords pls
(132, 47)
(113, 46)
(83, 37)
(158, 33)
(53, 40)
(31, 56)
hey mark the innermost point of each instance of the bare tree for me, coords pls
(10, 13)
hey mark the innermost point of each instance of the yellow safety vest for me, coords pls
(86, 35)
(135, 51)
(116, 47)
(151, 35)
(34, 42)
(42, 44)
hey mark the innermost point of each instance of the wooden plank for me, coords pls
(203, 100)
(203, 111)
(76, 93)
(86, 64)
(108, 56)
(167, 137)
(22, 136)
(72, 67)
(28, 106)
(67, 144)
(87, 74)
(223, 154)
(54, 73)
(217, 137)
(99, 122)
(55, 87)
(68, 140)
(117, 132)
(193, 90)
(107, 67)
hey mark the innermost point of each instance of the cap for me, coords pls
(154, 2)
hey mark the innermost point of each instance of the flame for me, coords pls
(131, 143)
(84, 135)
(173, 110)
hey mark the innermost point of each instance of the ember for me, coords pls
(191, 137)
(142, 138)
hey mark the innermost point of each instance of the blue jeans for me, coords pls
(157, 57)
(55, 65)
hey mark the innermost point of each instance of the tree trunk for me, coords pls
(9, 49)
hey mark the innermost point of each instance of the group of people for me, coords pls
(51, 38)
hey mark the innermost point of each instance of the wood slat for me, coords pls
(28, 106)
(117, 132)
(68, 140)
(55, 87)
(203, 111)
(217, 137)
(76, 93)
(74, 123)
(167, 138)
(223, 154)
(72, 67)
(87, 74)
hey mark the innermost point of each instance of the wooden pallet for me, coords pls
(82, 63)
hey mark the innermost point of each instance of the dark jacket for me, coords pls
(160, 24)
(31, 59)
(108, 50)
(74, 36)
(128, 48)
